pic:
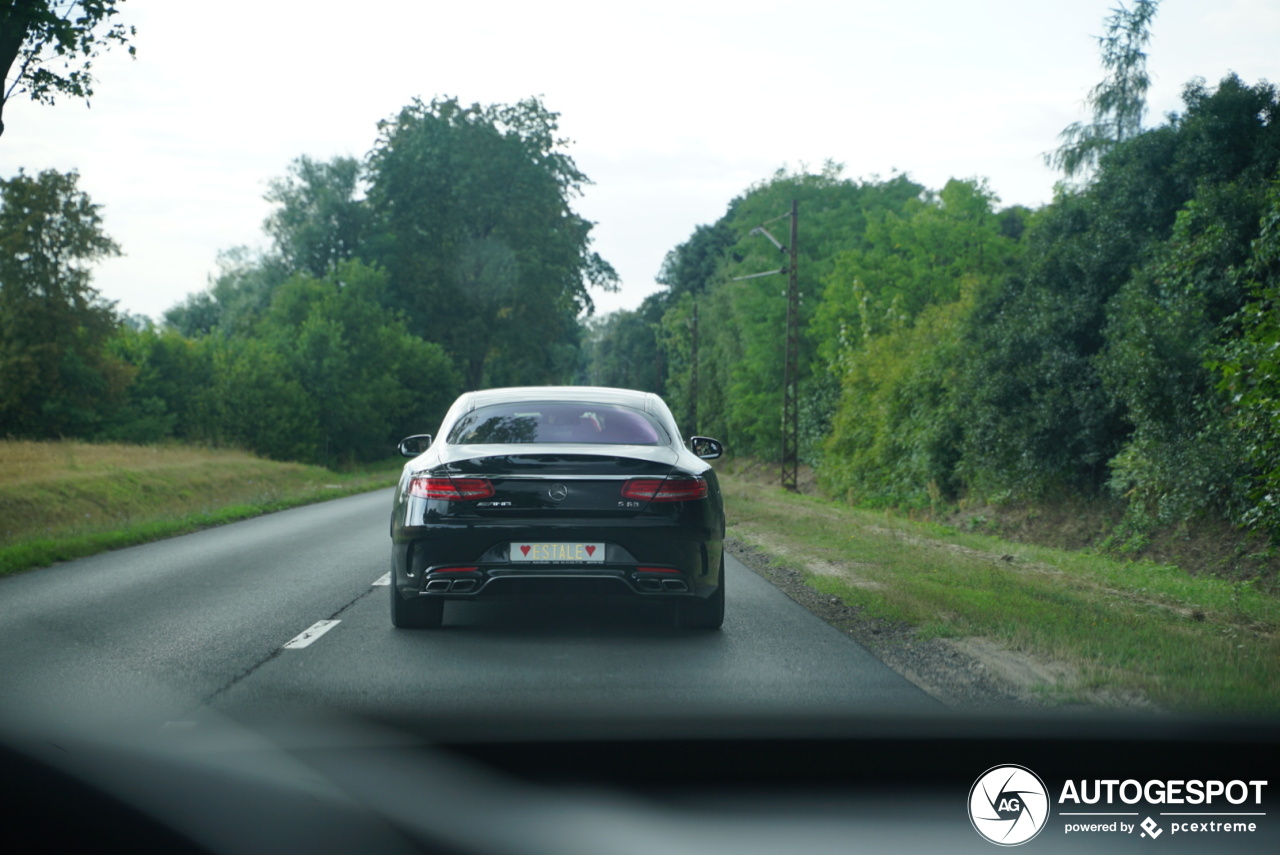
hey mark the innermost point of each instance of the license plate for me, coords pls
(557, 553)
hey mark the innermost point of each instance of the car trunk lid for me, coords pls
(547, 481)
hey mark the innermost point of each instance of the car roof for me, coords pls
(646, 401)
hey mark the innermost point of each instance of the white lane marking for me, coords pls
(309, 635)
(385, 580)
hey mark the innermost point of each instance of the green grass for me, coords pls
(1122, 629)
(65, 500)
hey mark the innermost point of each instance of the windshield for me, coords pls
(935, 348)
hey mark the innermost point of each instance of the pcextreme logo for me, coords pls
(1008, 805)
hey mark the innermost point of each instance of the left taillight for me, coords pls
(665, 490)
(451, 489)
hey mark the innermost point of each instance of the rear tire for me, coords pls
(418, 613)
(703, 614)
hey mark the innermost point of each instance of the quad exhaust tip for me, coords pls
(659, 586)
(457, 586)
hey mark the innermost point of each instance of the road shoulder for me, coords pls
(974, 674)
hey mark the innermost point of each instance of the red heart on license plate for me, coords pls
(591, 550)
(524, 550)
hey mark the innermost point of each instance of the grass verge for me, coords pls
(65, 500)
(1112, 628)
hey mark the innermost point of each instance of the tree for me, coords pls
(315, 369)
(367, 379)
(319, 222)
(630, 349)
(35, 32)
(1174, 314)
(254, 401)
(890, 328)
(1248, 369)
(237, 296)
(1068, 355)
(912, 258)
(896, 433)
(1120, 100)
(742, 323)
(690, 267)
(474, 226)
(56, 377)
(621, 348)
(170, 373)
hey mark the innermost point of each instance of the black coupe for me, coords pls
(557, 491)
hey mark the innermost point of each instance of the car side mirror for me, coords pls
(412, 446)
(705, 447)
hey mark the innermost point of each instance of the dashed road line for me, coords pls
(237, 678)
(310, 634)
(384, 580)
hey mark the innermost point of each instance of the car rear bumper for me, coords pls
(643, 558)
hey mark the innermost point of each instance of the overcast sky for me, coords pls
(673, 108)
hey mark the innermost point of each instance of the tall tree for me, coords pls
(170, 373)
(1249, 370)
(741, 330)
(1068, 354)
(74, 32)
(370, 381)
(890, 328)
(689, 267)
(911, 258)
(56, 377)
(475, 226)
(319, 221)
(1120, 100)
(621, 348)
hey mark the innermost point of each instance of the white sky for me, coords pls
(674, 108)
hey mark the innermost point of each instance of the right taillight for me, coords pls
(451, 489)
(665, 489)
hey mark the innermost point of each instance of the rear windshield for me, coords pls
(595, 424)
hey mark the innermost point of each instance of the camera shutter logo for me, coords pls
(1008, 805)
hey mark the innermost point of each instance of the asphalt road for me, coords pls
(196, 631)
(202, 622)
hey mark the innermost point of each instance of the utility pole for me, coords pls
(791, 356)
(657, 370)
(693, 384)
(791, 374)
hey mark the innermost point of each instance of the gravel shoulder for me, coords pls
(973, 674)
